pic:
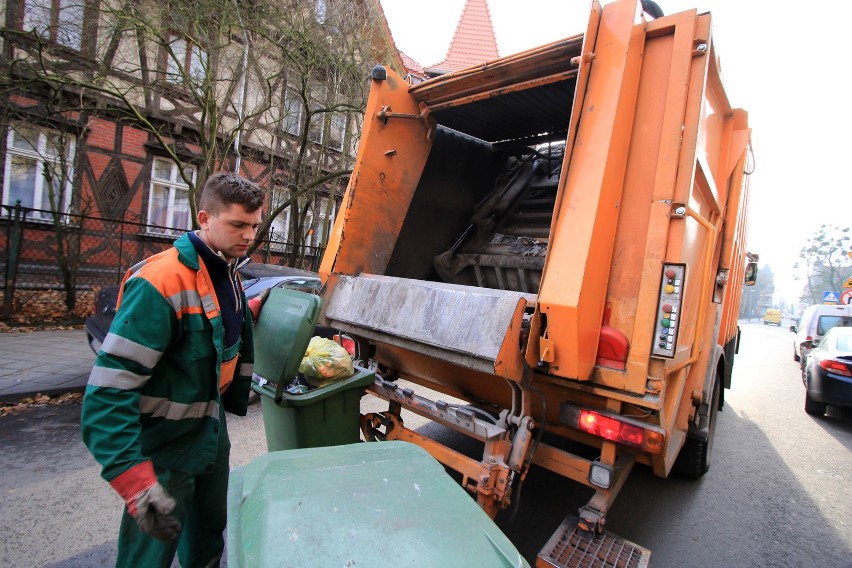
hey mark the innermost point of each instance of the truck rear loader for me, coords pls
(556, 237)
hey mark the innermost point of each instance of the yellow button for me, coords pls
(669, 288)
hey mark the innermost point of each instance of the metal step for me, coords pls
(570, 547)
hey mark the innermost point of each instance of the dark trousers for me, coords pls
(202, 511)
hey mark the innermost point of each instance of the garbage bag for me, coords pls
(325, 361)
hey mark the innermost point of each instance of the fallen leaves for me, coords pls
(38, 401)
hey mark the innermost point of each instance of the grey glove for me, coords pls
(153, 513)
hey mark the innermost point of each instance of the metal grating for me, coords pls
(570, 548)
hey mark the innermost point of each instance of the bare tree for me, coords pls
(825, 263)
(212, 80)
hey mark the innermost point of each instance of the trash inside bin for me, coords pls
(323, 416)
(378, 504)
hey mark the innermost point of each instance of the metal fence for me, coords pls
(43, 251)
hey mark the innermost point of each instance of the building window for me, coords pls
(59, 21)
(39, 170)
(325, 222)
(336, 131)
(186, 62)
(320, 11)
(292, 120)
(168, 202)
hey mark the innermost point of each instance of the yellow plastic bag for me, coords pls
(325, 362)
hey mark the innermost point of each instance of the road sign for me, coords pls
(846, 298)
(848, 283)
(830, 298)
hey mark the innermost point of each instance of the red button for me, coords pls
(667, 308)
(670, 273)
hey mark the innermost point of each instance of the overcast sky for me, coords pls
(786, 63)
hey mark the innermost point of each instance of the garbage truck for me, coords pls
(558, 239)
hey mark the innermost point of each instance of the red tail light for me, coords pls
(615, 428)
(346, 342)
(836, 367)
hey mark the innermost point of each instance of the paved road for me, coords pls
(778, 493)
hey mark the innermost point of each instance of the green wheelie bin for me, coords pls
(325, 416)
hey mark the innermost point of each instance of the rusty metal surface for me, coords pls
(463, 324)
(569, 547)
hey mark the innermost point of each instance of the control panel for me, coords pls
(669, 307)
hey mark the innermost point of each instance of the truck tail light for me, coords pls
(836, 367)
(614, 428)
(346, 342)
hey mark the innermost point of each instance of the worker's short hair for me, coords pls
(225, 188)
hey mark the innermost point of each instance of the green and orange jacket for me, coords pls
(162, 374)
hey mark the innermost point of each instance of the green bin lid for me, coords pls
(378, 504)
(282, 333)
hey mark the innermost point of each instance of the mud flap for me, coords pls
(570, 547)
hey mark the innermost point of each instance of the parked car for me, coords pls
(816, 320)
(256, 278)
(828, 372)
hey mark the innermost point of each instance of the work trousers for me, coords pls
(201, 509)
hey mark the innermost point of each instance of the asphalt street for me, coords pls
(777, 494)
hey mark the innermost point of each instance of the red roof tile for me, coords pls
(410, 64)
(473, 42)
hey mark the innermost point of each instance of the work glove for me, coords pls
(147, 501)
(152, 511)
(256, 303)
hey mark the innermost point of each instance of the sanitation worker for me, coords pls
(178, 355)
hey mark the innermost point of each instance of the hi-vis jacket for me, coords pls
(153, 397)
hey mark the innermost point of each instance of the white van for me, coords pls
(816, 320)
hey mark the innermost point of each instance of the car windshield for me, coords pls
(827, 322)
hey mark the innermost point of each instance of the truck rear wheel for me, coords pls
(694, 458)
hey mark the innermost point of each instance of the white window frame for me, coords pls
(291, 120)
(281, 223)
(189, 60)
(320, 10)
(341, 120)
(173, 186)
(59, 21)
(41, 157)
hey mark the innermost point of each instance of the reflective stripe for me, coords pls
(134, 270)
(116, 378)
(185, 299)
(123, 347)
(209, 304)
(159, 407)
(246, 369)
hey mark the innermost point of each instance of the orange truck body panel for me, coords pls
(651, 160)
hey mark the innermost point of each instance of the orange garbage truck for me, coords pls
(557, 238)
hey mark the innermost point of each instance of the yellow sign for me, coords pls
(848, 283)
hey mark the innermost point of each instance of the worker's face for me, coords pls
(230, 231)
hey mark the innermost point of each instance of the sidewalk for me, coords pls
(47, 362)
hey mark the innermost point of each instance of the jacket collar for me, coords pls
(188, 254)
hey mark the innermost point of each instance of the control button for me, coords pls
(670, 273)
(666, 323)
(667, 308)
(669, 288)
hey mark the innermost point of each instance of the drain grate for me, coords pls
(570, 548)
